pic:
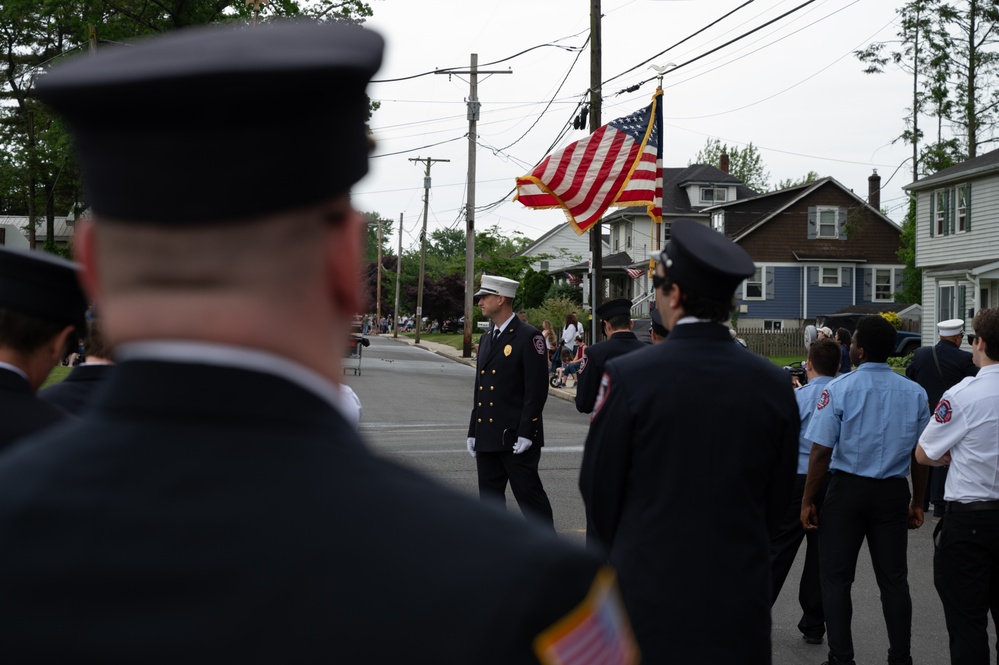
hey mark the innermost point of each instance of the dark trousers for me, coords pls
(783, 550)
(856, 508)
(966, 575)
(495, 469)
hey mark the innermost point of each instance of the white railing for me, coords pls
(640, 307)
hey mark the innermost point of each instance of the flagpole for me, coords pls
(596, 235)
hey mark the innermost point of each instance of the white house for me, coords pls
(957, 240)
(11, 234)
(558, 249)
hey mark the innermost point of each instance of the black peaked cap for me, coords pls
(219, 123)
(612, 308)
(704, 261)
(41, 285)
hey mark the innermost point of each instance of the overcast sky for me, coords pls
(793, 89)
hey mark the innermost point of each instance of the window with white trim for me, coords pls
(883, 287)
(544, 265)
(772, 326)
(961, 209)
(826, 217)
(940, 212)
(753, 287)
(945, 304)
(718, 221)
(829, 276)
(713, 195)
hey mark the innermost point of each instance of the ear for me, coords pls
(57, 346)
(85, 253)
(343, 252)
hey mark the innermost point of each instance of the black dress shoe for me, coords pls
(812, 639)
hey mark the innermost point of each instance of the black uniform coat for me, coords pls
(594, 359)
(955, 365)
(687, 469)
(511, 387)
(218, 515)
(75, 391)
(21, 412)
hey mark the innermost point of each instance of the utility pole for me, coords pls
(378, 284)
(423, 240)
(398, 275)
(473, 116)
(596, 233)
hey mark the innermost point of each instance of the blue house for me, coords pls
(818, 249)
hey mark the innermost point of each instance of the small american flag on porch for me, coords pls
(575, 280)
(634, 273)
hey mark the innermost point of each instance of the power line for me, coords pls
(447, 70)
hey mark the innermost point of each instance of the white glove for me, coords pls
(471, 445)
(521, 445)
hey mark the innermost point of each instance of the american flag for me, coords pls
(595, 633)
(634, 273)
(620, 164)
(575, 280)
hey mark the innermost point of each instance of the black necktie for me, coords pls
(496, 333)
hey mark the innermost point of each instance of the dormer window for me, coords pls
(712, 195)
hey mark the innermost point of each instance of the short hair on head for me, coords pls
(619, 322)
(824, 354)
(843, 336)
(876, 336)
(700, 306)
(94, 343)
(986, 325)
(24, 333)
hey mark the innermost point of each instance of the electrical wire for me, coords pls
(449, 70)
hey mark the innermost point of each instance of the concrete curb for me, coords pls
(451, 353)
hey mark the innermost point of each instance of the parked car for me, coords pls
(905, 342)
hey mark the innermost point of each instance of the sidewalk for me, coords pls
(568, 394)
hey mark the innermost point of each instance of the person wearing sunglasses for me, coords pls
(937, 368)
(689, 464)
(964, 434)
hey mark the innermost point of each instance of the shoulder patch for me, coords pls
(582, 364)
(823, 400)
(539, 344)
(943, 412)
(596, 631)
(605, 386)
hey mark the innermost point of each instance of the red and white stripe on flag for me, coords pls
(596, 632)
(634, 273)
(620, 164)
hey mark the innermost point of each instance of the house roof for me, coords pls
(784, 199)
(980, 165)
(616, 262)
(555, 230)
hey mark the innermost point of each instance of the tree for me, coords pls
(371, 237)
(911, 290)
(533, 287)
(746, 164)
(811, 176)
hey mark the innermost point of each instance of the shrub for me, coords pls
(900, 362)
(892, 318)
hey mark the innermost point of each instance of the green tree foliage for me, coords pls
(563, 291)
(746, 164)
(533, 288)
(555, 310)
(911, 290)
(949, 48)
(811, 176)
(371, 237)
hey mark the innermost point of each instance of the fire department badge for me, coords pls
(823, 400)
(605, 386)
(507, 350)
(943, 412)
(539, 345)
(582, 364)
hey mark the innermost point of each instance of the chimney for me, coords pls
(723, 162)
(874, 190)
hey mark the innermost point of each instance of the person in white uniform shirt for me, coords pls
(964, 433)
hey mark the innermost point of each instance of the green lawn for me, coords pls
(780, 361)
(57, 375)
(455, 340)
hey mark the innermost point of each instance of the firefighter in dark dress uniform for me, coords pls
(701, 431)
(506, 431)
(938, 368)
(215, 503)
(615, 317)
(41, 316)
(74, 393)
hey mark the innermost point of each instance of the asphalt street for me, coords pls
(416, 406)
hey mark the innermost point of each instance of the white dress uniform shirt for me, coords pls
(966, 423)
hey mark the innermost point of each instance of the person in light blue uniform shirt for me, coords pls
(821, 365)
(864, 430)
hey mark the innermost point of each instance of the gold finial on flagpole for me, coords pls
(256, 8)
